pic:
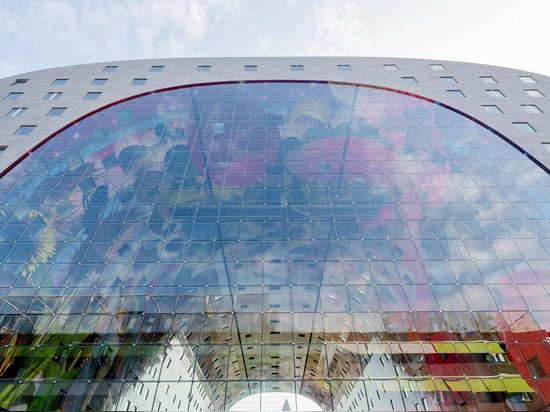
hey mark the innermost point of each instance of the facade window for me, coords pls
(448, 79)
(13, 96)
(25, 130)
(409, 80)
(344, 67)
(19, 82)
(491, 108)
(156, 69)
(531, 108)
(109, 69)
(16, 111)
(527, 79)
(139, 82)
(456, 93)
(99, 82)
(59, 82)
(203, 68)
(437, 67)
(56, 111)
(297, 67)
(250, 68)
(391, 67)
(53, 95)
(92, 95)
(534, 93)
(524, 127)
(495, 93)
(488, 79)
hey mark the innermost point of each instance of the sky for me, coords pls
(39, 34)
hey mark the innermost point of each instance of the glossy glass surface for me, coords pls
(189, 248)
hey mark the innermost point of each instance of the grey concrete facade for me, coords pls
(377, 71)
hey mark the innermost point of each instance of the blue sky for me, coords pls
(37, 34)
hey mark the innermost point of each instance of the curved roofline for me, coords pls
(221, 58)
(343, 83)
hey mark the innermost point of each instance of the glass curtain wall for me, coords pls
(187, 249)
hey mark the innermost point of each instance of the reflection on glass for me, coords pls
(250, 245)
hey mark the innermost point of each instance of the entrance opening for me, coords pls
(275, 401)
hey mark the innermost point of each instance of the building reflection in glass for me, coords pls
(363, 248)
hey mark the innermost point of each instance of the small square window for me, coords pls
(531, 108)
(456, 93)
(25, 130)
(391, 67)
(495, 93)
(156, 69)
(110, 69)
(2, 148)
(59, 82)
(92, 95)
(297, 67)
(344, 67)
(16, 111)
(56, 111)
(99, 82)
(203, 68)
(409, 80)
(13, 96)
(534, 93)
(250, 68)
(488, 79)
(448, 79)
(19, 82)
(491, 108)
(437, 67)
(53, 95)
(527, 79)
(524, 127)
(139, 82)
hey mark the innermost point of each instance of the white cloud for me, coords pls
(64, 32)
(37, 34)
(340, 29)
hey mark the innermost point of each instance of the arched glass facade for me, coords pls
(366, 249)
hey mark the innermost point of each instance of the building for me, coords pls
(259, 233)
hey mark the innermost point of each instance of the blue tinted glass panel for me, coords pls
(59, 82)
(92, 95)
(56, 111)
(25, 130)
(13, 96)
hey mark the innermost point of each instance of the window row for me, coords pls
(293, 67)
(494, 92)
(452, 79)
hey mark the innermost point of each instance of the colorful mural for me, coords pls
(364, 248)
